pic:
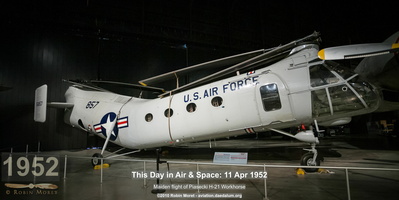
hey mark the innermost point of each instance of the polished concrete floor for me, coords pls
(116, 182)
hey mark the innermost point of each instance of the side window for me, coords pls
(270, 97)
(148, 117)
(217, 101)
(320, 75)
(168, 112)
(191, 107)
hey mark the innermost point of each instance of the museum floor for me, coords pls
(81, 181)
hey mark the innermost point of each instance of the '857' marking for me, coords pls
(92, 104)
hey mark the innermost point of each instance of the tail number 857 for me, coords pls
(92, 104)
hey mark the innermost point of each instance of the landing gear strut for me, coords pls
(309, 136)
(311, 159)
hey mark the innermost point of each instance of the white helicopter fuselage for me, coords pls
(281, 95)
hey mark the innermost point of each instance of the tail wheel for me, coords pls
(307, 160)
(96, 159)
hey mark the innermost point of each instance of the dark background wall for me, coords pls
(43, 42)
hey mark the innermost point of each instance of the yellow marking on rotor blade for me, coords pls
(143, 84)
(395, 46)
(321, 54)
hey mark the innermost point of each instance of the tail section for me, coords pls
(41, 104)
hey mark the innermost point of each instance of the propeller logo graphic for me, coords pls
(47, 186)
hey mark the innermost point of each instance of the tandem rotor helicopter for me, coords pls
(263, 90)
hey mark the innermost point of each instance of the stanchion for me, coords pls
(347, 184)
(65, 166)
(156, 191)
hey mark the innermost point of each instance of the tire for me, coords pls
(306, 160)
(96, 161)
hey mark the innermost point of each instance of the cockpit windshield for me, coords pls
(320, 75)
(337, 90)
(344, 72)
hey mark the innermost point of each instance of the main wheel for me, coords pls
(96, 159)
(307, 159)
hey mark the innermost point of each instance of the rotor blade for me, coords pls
(231, 60)
(357, 51)
(135, 86)
(245, 64)
(85, 85)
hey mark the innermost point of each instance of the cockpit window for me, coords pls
(340, 98)
(320, 103)
(320, 75)
(344, 100)
(350, 95)
(365, 91)
(345, 73)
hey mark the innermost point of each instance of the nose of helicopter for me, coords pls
(339, 91)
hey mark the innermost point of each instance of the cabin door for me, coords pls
(273, 101)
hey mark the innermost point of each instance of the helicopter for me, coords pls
(262, 90)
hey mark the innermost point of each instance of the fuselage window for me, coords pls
(191, 107)
(270, 97)
(168, 112)
(148, 117)
(217, 101)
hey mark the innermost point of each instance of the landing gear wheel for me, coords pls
(96, 161)
(307, 160)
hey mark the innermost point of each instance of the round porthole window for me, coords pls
(168, 112)
(148, 117)
(191, 107)
(217, 101)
